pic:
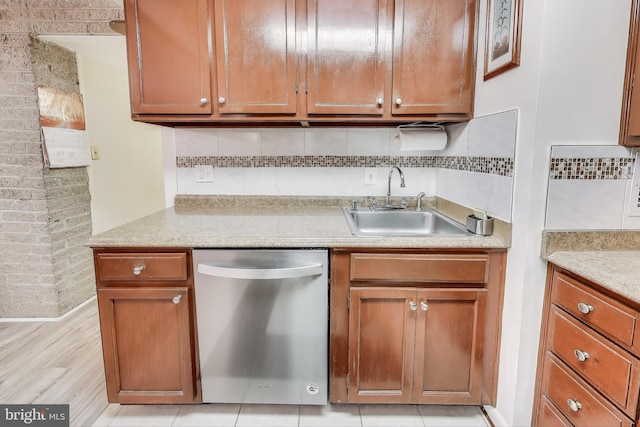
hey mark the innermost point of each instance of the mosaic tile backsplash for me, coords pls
(475, 169)
(487, 165)
(590, 188)
(592, 168)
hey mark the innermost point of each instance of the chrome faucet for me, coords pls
(419, 200)
(389, 183)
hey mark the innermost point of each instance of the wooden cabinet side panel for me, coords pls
(346, 56)
(168, 55)
(147, 345)
(449, 346)
(339, 327)
(256, 56)
(493, 325)
(381, 345)
(536, 418)
(433, 56)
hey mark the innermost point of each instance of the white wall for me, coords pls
(127, 182)
(567, 88)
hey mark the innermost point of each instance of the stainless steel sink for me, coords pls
(401, 222)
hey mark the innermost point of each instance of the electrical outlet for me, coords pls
(95, 152)
(204, 173)
(370, 176)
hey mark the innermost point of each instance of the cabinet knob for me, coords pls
(574, 405)
(585, 308)
(398, 101)
(379, 101)
(221, 100)
(423, 306)
(413, 306)
(580, 355)
(177, 299)
(138, 269)
(203, 102)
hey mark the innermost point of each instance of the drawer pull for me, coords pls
(177, 299)
(413, 306)
(585, 308)
(574, 405)
(423, 306)
(138, 269)
(580, 355)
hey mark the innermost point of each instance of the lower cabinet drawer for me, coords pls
(578, 401)
(420, 268)
(604, 314)
(141, 266)
(550, 416)
(611, 370)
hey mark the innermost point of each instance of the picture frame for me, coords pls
(504, 25)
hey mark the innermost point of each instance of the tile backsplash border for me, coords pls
(502, 166)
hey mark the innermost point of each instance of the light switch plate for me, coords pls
(204, 173)
(370, 176)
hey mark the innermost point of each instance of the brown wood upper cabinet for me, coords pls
(347, 58)
(168, 56)
(302, 60)
(630, 117)
(256, 56)
(433, 57)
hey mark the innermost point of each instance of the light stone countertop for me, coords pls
(198, 223)
(618, 271)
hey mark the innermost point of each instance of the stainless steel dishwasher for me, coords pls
(262, 325)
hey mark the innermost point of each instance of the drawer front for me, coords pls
(595, 309)
(148, 266)
(420, 268)
(549, 416)
(611, 370)
(565, 389)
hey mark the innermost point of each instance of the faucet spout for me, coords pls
(389, 182)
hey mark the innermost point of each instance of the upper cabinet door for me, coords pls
(256, 56)
(168, 54)
(433, 50)
(346, 56)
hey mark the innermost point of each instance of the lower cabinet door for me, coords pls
(147, 344)
(449, 346)
(381, 344)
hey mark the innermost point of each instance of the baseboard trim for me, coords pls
(49, 319)
(495, 418)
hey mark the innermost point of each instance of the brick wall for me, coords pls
(44, 214)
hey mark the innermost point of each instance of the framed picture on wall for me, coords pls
(504, 22)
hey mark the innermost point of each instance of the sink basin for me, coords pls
(401, 222)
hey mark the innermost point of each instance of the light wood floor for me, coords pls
(55, 362)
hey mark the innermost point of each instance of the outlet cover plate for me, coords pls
(204, 173)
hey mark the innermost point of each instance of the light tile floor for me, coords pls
(236, 415)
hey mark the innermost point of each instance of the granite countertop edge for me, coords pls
(270, 222)
(609, 258)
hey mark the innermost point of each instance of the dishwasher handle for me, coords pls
(260, 273)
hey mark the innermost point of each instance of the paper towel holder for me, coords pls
(421, 137)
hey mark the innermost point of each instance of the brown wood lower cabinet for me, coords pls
(588, 366)
(424, 333)
(416, 345)
(148, 326)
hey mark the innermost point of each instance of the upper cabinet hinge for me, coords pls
(349, 301)
(347, 381)
(296, 88)
(306, 87)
